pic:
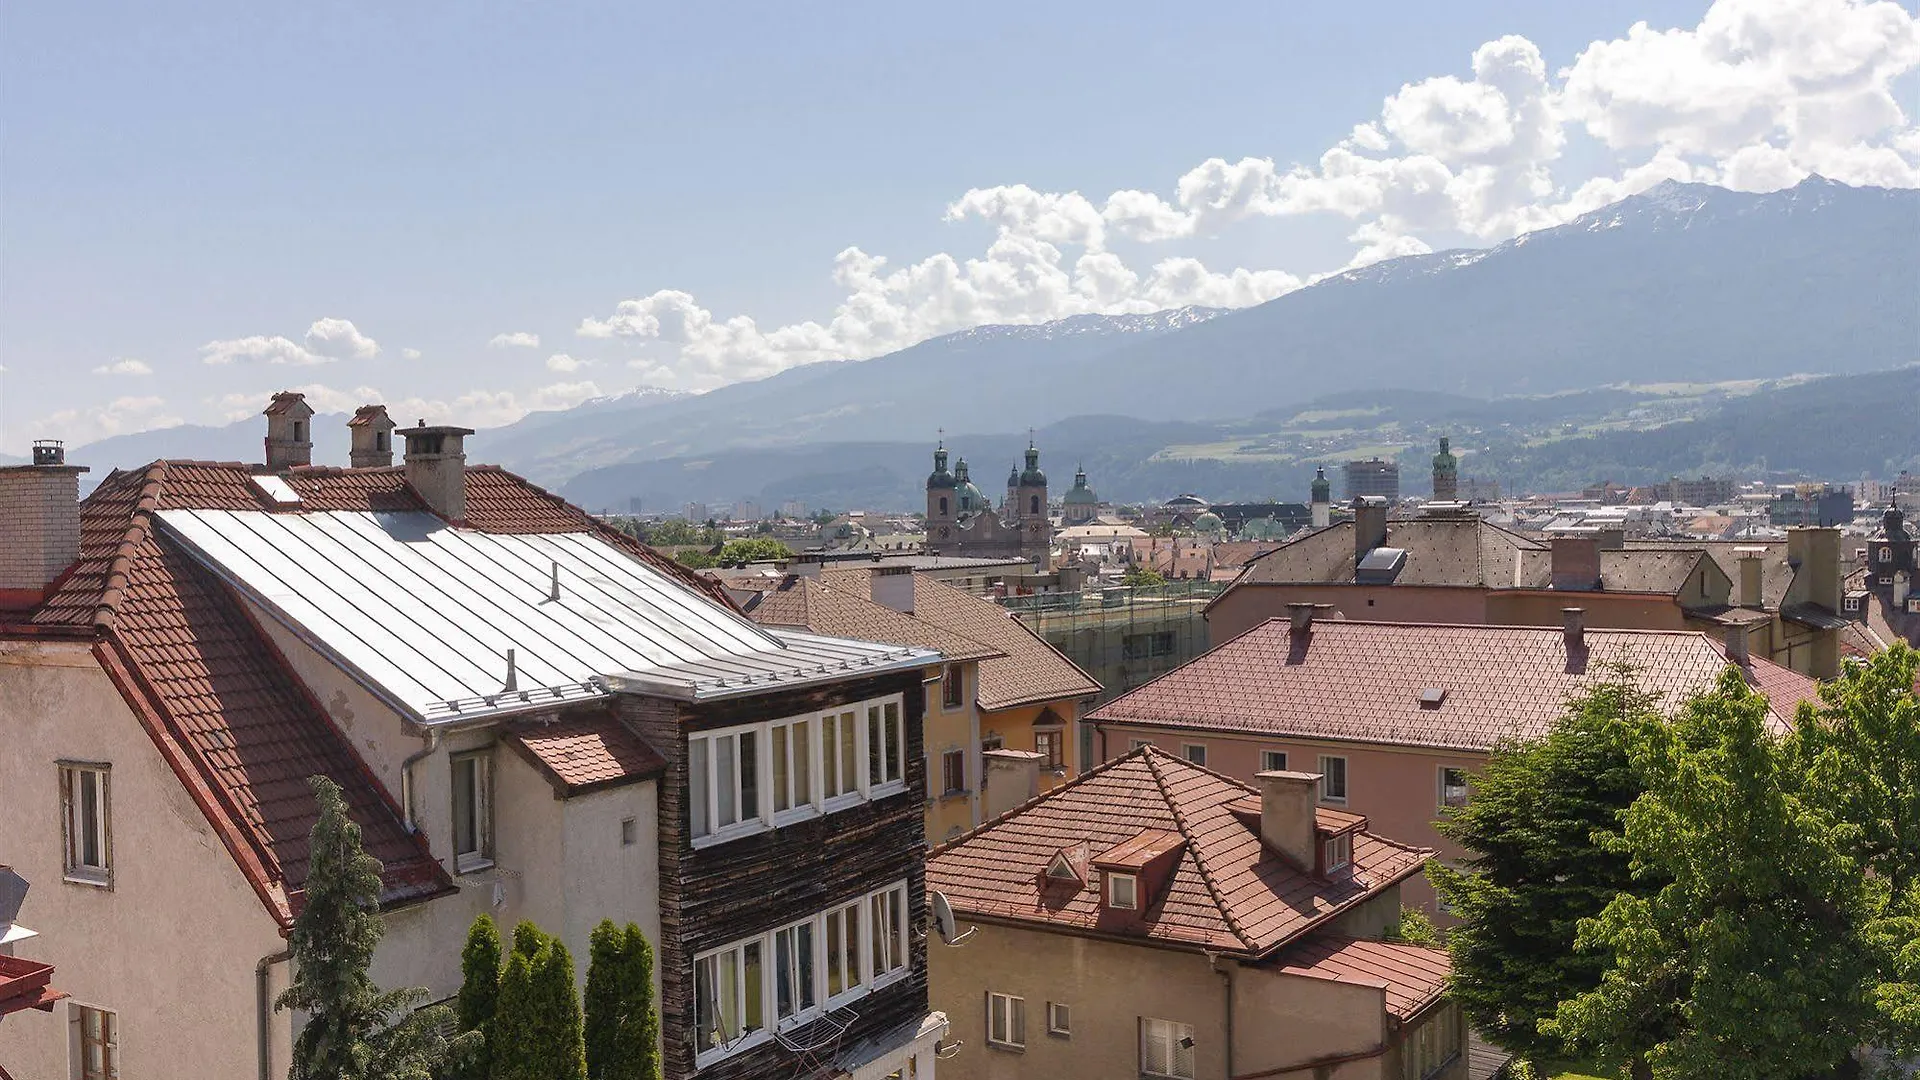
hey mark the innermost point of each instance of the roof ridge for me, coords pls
(139, 526)
(980, 829)
(1152, 755)
(1014, 619)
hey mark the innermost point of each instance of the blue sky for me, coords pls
(202, 204)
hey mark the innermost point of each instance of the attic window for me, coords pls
(1336, 852)
(1062, 869)
(1432, 696)
(275, 489)
(1123, 891)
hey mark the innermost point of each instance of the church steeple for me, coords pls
(1322, 498)
(1446, 474)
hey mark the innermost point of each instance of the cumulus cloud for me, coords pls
(518, 339)
(409, 354)
(326, 341)
(561, 362)
(116, 417)
(124, 366)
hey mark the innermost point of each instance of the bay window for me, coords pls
(740, 780)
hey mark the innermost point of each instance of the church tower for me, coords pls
(941, 487)
(1322, 499)
(1446, 474)
(1030, 503)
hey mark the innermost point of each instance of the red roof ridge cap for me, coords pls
(139, 524)
(1193, 848)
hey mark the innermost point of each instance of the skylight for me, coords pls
(276, 489)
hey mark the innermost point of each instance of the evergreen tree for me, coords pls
(562, 1054)
(479, 995)
(1536, 824)
(354, 1030)
(513, 1054)
(1759, 947)
(606, 976)
(637, 1041)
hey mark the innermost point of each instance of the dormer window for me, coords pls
(1336, 852)
(1123, 891)
(1062, 869)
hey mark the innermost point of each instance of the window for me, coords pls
(1336, 852)
(1886, 579)
(953, 772)
(887, 931)
(1333, 779)
(1135, 744)
(1851, 603)
(1166, 1048)
(1059, 1019)
(795, 991)
(843, 950)
(1453, 788)
(1006, 1021)
(96, 1043)
(1273, 761)
(953, 687)
(1123, 891)
(839, 754)
(886, 745)
(943, 506)
(84, 814)
(791, 747)
(727, 999)
(472, 817)
(1194, 752)
(629, 832)
(1047, 745)
(1886, 554)
(1033, 504)
(724, 786)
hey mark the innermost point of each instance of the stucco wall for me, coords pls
(953, 729)
(1015, 728)
(171, 947)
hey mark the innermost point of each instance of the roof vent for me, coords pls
(1432, 696)
(1380, 566)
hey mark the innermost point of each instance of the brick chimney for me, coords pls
(1369, 525)
(372, 432)
(892, 586)
(1737, 645)
(1011, 778)
(1817, 554)
(437, 467)
(1287, 802)
(39, 524)
(289, 431)
(1576, 563)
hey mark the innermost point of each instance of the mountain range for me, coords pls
(1680, 284)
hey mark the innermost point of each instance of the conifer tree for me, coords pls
(606, 976)
(354, 1030)
(559, 1037)
(513, 1054)
(637, 1042)
(479, 995)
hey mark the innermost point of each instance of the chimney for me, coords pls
(437, 467)
(806, 565)
(1817, 553)
(1751, 564)
(289, 431)
(1011, 778)
(892, 586)
(39, 524)
(1573, 622)
(372, 432)
(1369, 525)
(1737, 645)
(1300, 614)
(1576, 563)
(1287, 802)
(1612, 538)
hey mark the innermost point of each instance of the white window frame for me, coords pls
(1336, 853)
(1851, 603)
(1187, 749)
(1006, 1021)
(1056, 759)
(953, 684)
(78, 1043)
(1266, 761)
(886, 772)
(1059, 1019)
(1440, 794)
(1169, 1033)
(745, 1040)
(480, 856)
(1326, 780)
(75, 830)
(1886, 555)
(1131, 882)
(821, 735)
(859, 916)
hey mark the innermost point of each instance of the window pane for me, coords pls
(705, 1001)
(850, 941)
(1019, 1025)
(802, 762)
(836, 963)
(830, 760)
(729, 995)
(725, 774)
(749, 775)
(876, 747)
(1180, 1038)
(699, 785)
(849, 753)
(465, 827)
(753, 987)
(782, 778)
(896, 753)
(90, 818)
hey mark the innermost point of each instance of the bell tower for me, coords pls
(941, 492)
(1446, 474)
(1030, 502)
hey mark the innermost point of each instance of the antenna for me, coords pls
(943, 922)
(553, 586)
(513, 673)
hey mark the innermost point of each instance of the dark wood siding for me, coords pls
(751, 885)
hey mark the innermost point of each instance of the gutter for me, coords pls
(262, 974)
(431, 738)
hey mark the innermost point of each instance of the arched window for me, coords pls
(1033, 504)
(943, 506)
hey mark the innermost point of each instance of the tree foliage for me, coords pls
(479, 995)
(1757, 953)
(538, 1024)
(1537, 823)
(758, 549)
(354, 1030)
(1141, 576)
(695, 559)
(622, 1027)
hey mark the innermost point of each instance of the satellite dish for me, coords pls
(943, 922)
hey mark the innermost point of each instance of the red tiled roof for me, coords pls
(805, 604)
(1227, 891)
(1028, 672)
(586, 750)
(1362, 682)
(1413, 976)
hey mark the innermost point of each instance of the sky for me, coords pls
(472, 210)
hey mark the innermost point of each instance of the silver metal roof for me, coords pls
(425, 613)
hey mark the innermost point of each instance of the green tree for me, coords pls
(1861, 756)
(1537, 825)
(606, 977)
(479, 995)
(354, 1030)
(514, 1023)
(637, 1041)
(538, 1026)
(694, 559)
(1140, 576)
(673, 532)
(737, 552)
(562, 1052)
(1758, 951)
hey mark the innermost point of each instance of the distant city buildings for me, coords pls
(961, 519)
(1373, 477)
(1703, 491)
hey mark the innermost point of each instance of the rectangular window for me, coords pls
(1886, 554)
(795, 991)
(85, 810)
(886, 745)
(792, 753)
(1333, 779)
(1123, 891)
(1337, 852)
(1453, 788)
(727, 995)
(1273, 761)
(96, 1043)
(1166, 1048)
(1006, 1021)
(843, 950)
(953, 687)
(953, 772)
(472, 811)
(1047, 744)
(887, 931)
(840, 754)
(1059, 1019)
(1851, 603)
(1194, 752)
(1135, 744)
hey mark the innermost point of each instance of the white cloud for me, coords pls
(326, 340)
(475, 408)
(518, 339)
(124, 366)
(561, 362)
(410, 354)
(116, 417)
